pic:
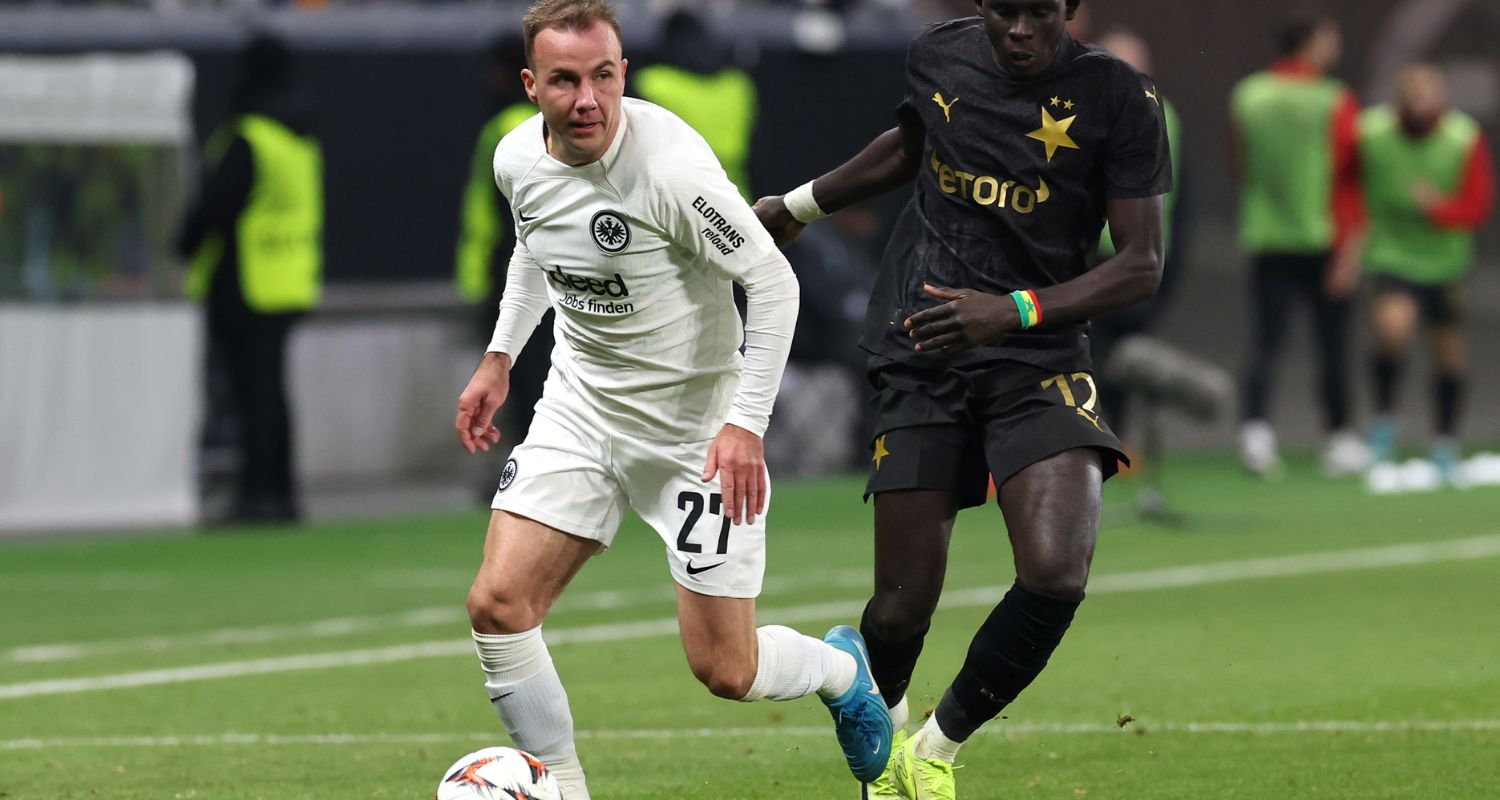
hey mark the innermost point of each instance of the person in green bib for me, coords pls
(1108, 330)
(1429, 184)
(692, 79)
(254, 242)
(486, 233)
(1292, 146)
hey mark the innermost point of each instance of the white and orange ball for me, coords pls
(498, 773)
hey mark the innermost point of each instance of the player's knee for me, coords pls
(495, 610)
(1059, 579)
(728, 681)
(901, 617)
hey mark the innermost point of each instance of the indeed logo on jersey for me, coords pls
(987, 191)
(579, 283)
(721, 235)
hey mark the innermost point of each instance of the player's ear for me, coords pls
(528, 80)
(624, 68)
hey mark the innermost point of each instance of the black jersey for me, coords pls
(1012, 186)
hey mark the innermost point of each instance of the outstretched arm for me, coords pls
(973, 319)
(888, 162)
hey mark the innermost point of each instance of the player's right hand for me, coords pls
(1341, 276)
(779, 222)
(477, 405)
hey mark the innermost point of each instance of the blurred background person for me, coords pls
(1429, 184)
(254, 238)
(823, 417)
(1108, 330)
(1292, 152)
(486, 238)
(693, 78)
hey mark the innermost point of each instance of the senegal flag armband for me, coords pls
(1031, 310)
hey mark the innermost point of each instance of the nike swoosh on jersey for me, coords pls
(525, 218)
(692, 570)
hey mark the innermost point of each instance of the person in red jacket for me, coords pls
(1429, 184)
(1293, 155)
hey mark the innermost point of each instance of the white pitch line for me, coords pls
(434, 616)
(1177, 577)
(95, 581)
(1003, 729)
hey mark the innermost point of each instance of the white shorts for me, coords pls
(580, 478)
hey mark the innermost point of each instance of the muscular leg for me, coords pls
(1052, 512)
(912, 531)
(737, 661)
(718, 637)
(526, 566)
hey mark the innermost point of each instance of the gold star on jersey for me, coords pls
(1054, 133)
(1011, 190)
(880, 452)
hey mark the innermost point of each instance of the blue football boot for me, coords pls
(1450, 465)
(860, 717)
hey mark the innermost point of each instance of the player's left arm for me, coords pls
(700, 210)
(738, 452)
(1137, 169)
(1471, 206)
(973, 319)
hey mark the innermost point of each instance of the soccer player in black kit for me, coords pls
(1021, 142)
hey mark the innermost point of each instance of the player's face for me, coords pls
(577, 79)
(1420, 98)
(1025, 33)
(1328, 45)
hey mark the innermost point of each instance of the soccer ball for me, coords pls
(498, 773)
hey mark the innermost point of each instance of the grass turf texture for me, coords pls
(1417, 645)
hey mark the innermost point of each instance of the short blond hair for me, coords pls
(566, 15)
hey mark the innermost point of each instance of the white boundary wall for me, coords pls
(99, 409)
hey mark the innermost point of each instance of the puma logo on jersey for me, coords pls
(1153, 96)
(937, 97)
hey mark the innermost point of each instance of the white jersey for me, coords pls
(637, 252)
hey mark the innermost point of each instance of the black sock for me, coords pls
(1450, 392)
(1007, 654)
(892, 663)
(1387, 371)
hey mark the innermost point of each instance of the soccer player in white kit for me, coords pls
(628, 226)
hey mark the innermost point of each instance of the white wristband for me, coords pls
(800, 203)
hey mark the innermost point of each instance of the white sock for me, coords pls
(524, 687)
(792, 665)
(931, 742)
(900, 714)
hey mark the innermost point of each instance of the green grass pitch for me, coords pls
(1295, 640)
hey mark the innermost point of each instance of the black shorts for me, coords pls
(954, 430)
(1440, 303)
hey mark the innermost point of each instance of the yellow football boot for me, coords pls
(919, 778)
